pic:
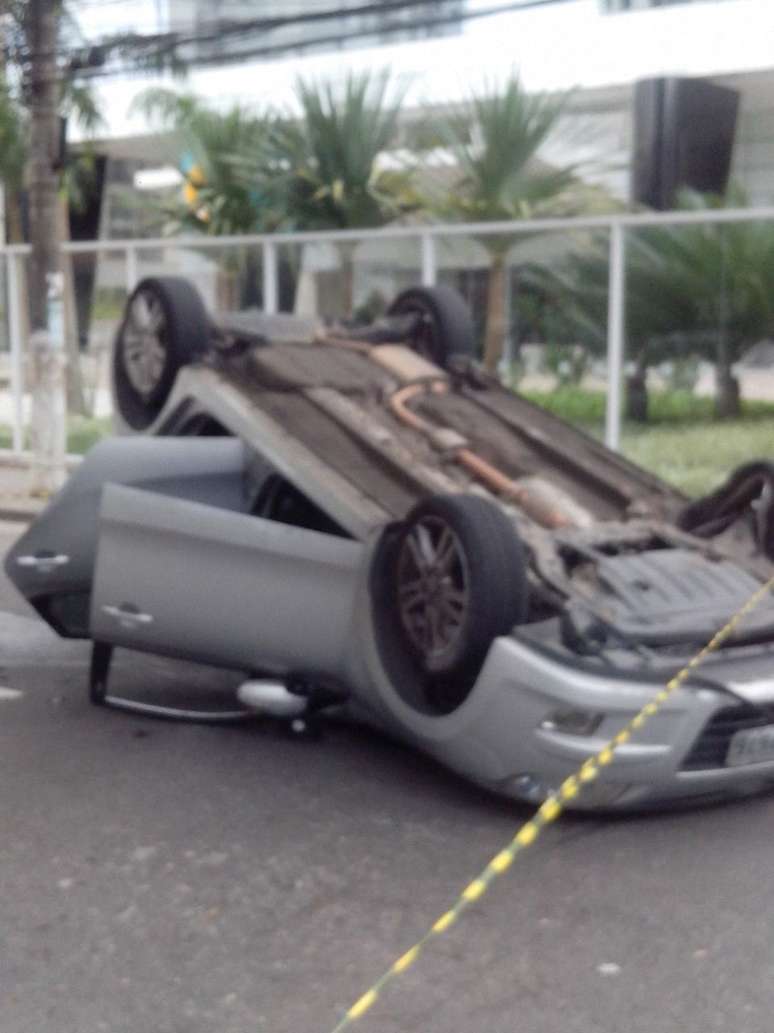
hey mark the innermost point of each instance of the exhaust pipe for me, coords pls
(272, 698)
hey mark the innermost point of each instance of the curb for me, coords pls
(20, 514)
(16, 504)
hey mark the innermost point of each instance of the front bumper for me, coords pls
(496, 737)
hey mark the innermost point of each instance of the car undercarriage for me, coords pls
(419, 547)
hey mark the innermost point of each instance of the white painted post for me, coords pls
(15, 347)
(616, 309)
(429, 271)
(131, 269)
(505, 365)
(270, 279)
(48, 408)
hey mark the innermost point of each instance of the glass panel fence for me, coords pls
(539, 306)
(698, 325)
(700, 376)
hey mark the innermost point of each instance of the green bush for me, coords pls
(683, 442)
(82, 433)
(670, 408)
(698, 458)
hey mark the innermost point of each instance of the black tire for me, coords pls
(101, 657)
(746, 492)
(474, 589)
(444, 324)
(183, 337)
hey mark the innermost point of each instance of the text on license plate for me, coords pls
(751, 746)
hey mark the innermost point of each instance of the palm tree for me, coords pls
(495, 141)
(78, 104)
(336, 177)
(727, 272)
(13, 154)
(656, 306)
(706, 285)
(227, 158)
(233, 183)
(76, 101)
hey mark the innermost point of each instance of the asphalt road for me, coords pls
(161, 878)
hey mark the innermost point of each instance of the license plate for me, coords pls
(752, 746)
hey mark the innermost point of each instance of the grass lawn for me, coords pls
(82, 433)
(698, 458)
(682, 442)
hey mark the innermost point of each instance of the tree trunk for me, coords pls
(347, 266)
(15, 232)
(727, 404)
(48, 428)
(227, 290)
(637, 395)
(727, 394)
(13, 217)
(494, 337)
(76, 400)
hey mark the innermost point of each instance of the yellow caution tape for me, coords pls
(550, 810)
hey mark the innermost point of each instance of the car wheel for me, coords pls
(459, 581)
(443, 328)
(165, 326)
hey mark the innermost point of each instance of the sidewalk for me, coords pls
(16, 503)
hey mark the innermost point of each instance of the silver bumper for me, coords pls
(498, 736)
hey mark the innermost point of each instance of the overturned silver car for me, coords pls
(362, 522)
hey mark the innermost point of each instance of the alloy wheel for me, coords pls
(145, 346)
(433, 588)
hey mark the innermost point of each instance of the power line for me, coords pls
(167, 43)
(231, 26)
(219, 29)
(387, 29)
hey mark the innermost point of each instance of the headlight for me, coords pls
(572, 722)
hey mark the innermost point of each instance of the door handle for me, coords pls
(128, 616)
(43, 562)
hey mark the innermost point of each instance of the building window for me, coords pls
(609, 6)
(240, 29)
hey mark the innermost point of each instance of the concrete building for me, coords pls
(598, 49)
(286, 28)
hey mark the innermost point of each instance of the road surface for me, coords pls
(181, 879)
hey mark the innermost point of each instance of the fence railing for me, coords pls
(427, 243)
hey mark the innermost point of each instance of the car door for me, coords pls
(52, 563)
(195, 581)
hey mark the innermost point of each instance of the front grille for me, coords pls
(710, 749)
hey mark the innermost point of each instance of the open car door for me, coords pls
(200, 582)
(52, 563)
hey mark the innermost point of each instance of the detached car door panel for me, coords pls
(182, 579)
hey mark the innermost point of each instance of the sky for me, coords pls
(559, 47)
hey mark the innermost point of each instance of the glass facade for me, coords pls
(642, 5)
(281, 27)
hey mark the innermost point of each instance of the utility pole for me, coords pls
(46, 343)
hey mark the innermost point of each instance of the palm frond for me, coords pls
(234, 156)
(79, 102)
(495, 143)
(13, 141)
(332, 157)
(687, 286)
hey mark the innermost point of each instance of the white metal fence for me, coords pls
(394, 255)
